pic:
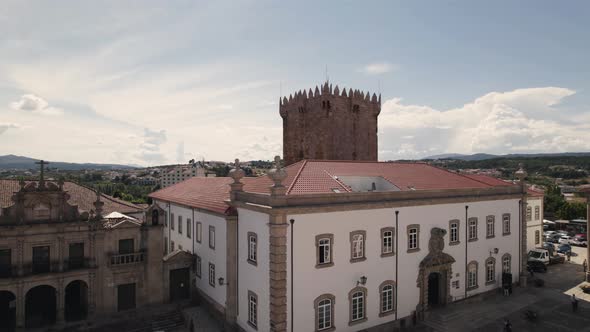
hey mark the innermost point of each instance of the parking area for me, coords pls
(552, 304)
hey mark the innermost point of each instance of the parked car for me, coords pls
(536, 266)
(544, 256)
(549, 246)
(579, 240)
(553, 237)
(549, 232)
(564, 239)
(564, 248)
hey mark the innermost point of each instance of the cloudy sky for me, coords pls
(151, 82)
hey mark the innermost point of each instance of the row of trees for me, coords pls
(557, 207)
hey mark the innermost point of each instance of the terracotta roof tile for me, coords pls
(81, 196)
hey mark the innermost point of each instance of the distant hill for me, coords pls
(18, 162)
(485, 156)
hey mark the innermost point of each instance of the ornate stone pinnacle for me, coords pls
(237, 173)
(521, 173)
(277, 174)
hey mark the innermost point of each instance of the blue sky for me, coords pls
(160, 82)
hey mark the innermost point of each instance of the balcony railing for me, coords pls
(39, 268)
(126, 259)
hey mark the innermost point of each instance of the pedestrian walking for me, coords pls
(507, 326)
(574, 303)
(569, 255)
(506, 290)
(585, 266)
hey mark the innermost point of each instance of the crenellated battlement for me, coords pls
(330, 123)
(303, 98)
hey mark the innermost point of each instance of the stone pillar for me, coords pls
(61, 243)
(20, 247)
(91, 293)
(231, 301)
(20, 305)
(278, 272)
(60, 298)
(521, 174)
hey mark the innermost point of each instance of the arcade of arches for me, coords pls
(43, 305)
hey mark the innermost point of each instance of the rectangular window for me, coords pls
(199, 231)
(537, 237)
(472, 229)
(324, 314)
(490, 271)
(358, 306)
(387, 298)
(506, 224)
(126, 246)
(528, 213)
(413, 238)
(490, 226)
(166, 219)
(252, 309)
(171, 246)
(172, 221)
(387, 241)
(198, 266)
(472, 277)
(357, 246)
(76, 255)
(41, 262)
(324, 249)
(5, 263)
(211, 275)
(454, 231)
(179, 224)
(252, 247)
(537, 213)
(455, 284)
(165, 246)
(211, 237)
(188, 228)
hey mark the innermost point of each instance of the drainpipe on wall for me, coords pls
(193, 231)
(466, 244)
(292, 245)
(396, 258)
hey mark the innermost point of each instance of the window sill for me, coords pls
(329, 329)
(388, 254)
(387, 313)
(252, 262)
(472, 288)
(356, 260)
(454, 243)
(413, 250)
(490, 282)
(490, 237)
(472, 240)
(324, 265)
(253, 326)
(358, 321)
(505, 234)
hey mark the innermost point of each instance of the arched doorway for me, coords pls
(434, 289)
(76, 301)
(40, 306)
(7, 311)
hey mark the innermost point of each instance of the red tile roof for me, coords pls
(319, 176)
(81, 196)
(499, 182)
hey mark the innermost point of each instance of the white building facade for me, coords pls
(180, 173)
(534, 219)
(294, 254)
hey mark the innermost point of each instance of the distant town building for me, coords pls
(180, 173)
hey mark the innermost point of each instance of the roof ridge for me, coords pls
(296, 176)
(461, 175)
(110, 198)
(335, 178)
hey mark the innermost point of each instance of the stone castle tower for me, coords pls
(330, 124)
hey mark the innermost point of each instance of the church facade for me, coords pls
(344, 245)
(69, 254)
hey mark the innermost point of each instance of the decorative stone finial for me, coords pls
(98, 204)
(237, 173)
(277, 175)
(521, 173)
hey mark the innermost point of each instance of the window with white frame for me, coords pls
(324, 308)
(199, 231)
(252, 309)
(506, 224)
(179, 224)
(386, 296)
(537, 213)
(357, 245)
(506, 263)
(472, 275)
(454, 231)
(212, 275)
(490, 270)
(528, 213)
(472, 229)
(252, 247)
(413, 238)
(537, 237)
(189, 229)
(212, 237)
(198, 266)
(490, 226)
(387, 241)
(324, 250)
(357, 304)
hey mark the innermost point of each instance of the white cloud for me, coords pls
(149, 149)
(4, 126)
(517, 121)
(35, 104)
(378, 68)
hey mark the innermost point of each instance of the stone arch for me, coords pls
(7, 310)
(316, 303)
(40, 306)
(76, 300)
